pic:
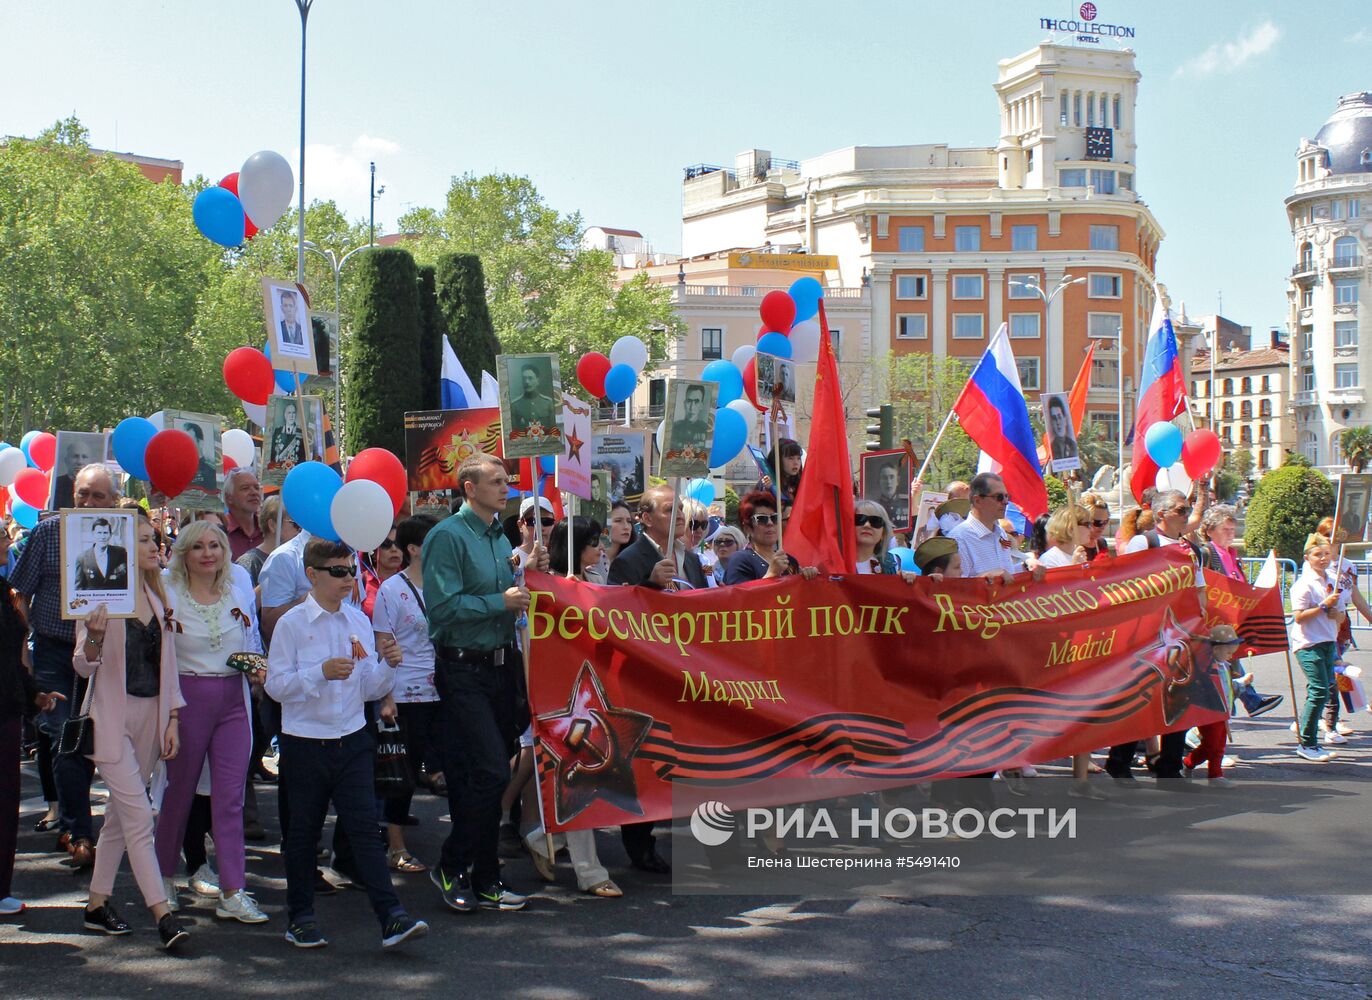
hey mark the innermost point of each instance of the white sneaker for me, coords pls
(1333, 737)
(1228, 762)
(1324, 726)
(1029, 771)
(1312, 753)
(1295, 727)
(1343, 728)
(1193, 738)
(205, 882)
(169, 887)
(241, 907)
(10, 906)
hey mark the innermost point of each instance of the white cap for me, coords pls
(528, 505)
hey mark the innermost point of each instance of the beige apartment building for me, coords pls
(1250, 405)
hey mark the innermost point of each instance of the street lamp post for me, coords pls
(376, 192)
(304, 7)
(1048, 298)
(336, 266)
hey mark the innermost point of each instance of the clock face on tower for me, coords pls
(1100, 143)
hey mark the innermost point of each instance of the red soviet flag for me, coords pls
(820, 532)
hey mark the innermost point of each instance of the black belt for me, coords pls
(475, 657)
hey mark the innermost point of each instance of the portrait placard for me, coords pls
(598, 506)
(75, 450)
(437, 442)
(574, 464)
(283, 438)
(885, 479)
(99, 562)
(776, 379)
(289, 334)
(690, 429)
(431, 502)
(325, 354)
(1063, 455)
(530, 404)
(1350, 512)
(206, 491)
(623, 454)
(926, 523)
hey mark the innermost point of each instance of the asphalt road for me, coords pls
(655, 942)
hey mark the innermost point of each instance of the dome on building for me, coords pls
(1348, 135)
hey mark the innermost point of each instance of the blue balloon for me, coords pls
(731, 434)
(23, 513)
(129, 441)
(729, 379)
(701, 490)
(1017, 519)
(805, 293)
(1163, 443)
(905, 559)
(308, 493)
(4, 445)
(619, 383)
(219, 216)
(24, 443)
(775, 343)
(287, 382)
(547, 464)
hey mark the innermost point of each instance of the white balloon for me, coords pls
(157, 421)
(657, 434)
(362, 514)
(743, 355)
(749, 413)
(629, 350)
(265, 187)
(12, 462)
(257, 413)
(238, 446)
(805, 342)
(1174, 478)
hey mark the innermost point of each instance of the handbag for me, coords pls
(78, 732)
(392, 768)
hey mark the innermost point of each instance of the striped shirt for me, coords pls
(982, 549)
(38, 576)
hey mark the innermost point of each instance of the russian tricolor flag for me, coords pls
(992, 410)
(457, 391)
(1161, 391)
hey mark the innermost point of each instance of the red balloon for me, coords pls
(383, 468)
(750, 383)
(778, 311)
(43, 451)
(1200, 452)
(229, 464)
(172, 460)
(31, 486)
(590, 372)
(248, 374)
(249, 230)
(229, 182)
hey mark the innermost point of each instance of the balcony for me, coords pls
(1308, 398)
(1347, 262)
(1346, 395)
(758, 291)
(1306, 267)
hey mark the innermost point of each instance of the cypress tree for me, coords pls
(461, 286)
(383, 362)
(432, 332)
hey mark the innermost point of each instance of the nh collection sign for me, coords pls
(1085, 27)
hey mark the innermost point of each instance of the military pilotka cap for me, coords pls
(1223, 635)
(955, 506)
(934, 548)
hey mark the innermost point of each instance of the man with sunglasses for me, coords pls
(536, 521)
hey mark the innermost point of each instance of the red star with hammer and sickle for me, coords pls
(574, 444)
(592, 745)
(1186, 668)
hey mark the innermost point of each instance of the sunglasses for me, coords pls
(699, 525)
(868, 521)
(764, 519)
(338, 572)
(1178, 511)
(547, 522)
(721, 542)
(1101, 524)
(997, 497)
(1084, 524)
(389, 543)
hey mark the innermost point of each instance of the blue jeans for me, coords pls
(1318, 663)
(53, 671)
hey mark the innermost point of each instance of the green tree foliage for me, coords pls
(382, 357)
(545, 292)
(1287, 505)
(923, 388)
(432, 332)
(460, 286)
(1356, 445)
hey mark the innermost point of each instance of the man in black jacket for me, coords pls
(643, 564)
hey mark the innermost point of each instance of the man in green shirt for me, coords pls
(472, 603)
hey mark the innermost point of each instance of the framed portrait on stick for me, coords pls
(885, 478)
(284, 444)
(325, 332)
(690, 429)
(206, 491)
(99, 553)
(530, 404)
(776, 380)
(1350, 513)
(75, 450)
(290, 334)
(1063, 454)
(624, 455)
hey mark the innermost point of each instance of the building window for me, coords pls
(1346, 252)
(1104, 325)
(967, 239)
(1354, 206)
(1028, 373)
(1307, 297)
(1307, 258)
(1076, 108)
(1126, 181)
(967, 326)
(1063, 112)
(1105, 373)
(1310, 447)
(1226, 436)
(1104, 108)
(1265, 408)
(1346, 333)
(1307, 380)
(911, 239)
(1245, 435)
(711, 343)
(1262, 460)
(1246, 410)
(836, 341)
(1227, 411)
(1336, 210)
(1104, 286)
(1103, 181)
(1110, 424)
(1024, 237)
(1245, 386)
(911, 286)
(1227, 386)
(968, 286)
(1345, 376)
(1090, 110)
(1266, 384)
(912, 326)
(1022, 286)
(1074, 178)
(1307, 339)
(1024, 326)
(1117, 111)
(1346, 292)
(1265, 434)
(657, 397)
(1105, 237)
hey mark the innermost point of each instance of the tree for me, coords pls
(923, 388)
(1239, 462)
(431, 333)
(383, 354)
(1286, 507)
(461, 297)
(1356, 444)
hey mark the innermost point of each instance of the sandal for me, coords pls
(605, 890)
(438, 785)
(403, 861)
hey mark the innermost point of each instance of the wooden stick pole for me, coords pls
(924, 467)
(776, 468)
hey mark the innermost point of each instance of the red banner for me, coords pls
(1256, 614)
(862, 677)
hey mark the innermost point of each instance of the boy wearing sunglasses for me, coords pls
(323, 669)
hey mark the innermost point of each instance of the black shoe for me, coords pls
(254, 831)
(106, 918)
(400, 928)
(511, 845)
(497, 896)
(652, 862)
(322, 886)
(171, 932)
(1266, 702)
(306, 935)
(263, 777)
(457, 891)
(1124, 779)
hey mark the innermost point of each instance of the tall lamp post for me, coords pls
(304, 7)
(376, 192)
(1048, 298)
(336, 266)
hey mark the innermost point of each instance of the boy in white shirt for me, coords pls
(1314, 635)
(323, 670)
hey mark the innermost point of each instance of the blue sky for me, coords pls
(603, 103)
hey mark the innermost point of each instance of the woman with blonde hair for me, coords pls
(872, 530)
(135, 698)
(208, 626)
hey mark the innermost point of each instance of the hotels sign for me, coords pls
(1085, 27)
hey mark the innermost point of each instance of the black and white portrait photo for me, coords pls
(325, 354)
(530, 404)
(776, 379)
(294, 433)
(290, 334)
(99, 561)
(886, 480)
(206, 430)
(1063, 454)
(75, 450)
(1355, 489)
(690, 429)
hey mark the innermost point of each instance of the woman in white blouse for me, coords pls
(872, 529)
(1069, 533)
(209, 619)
